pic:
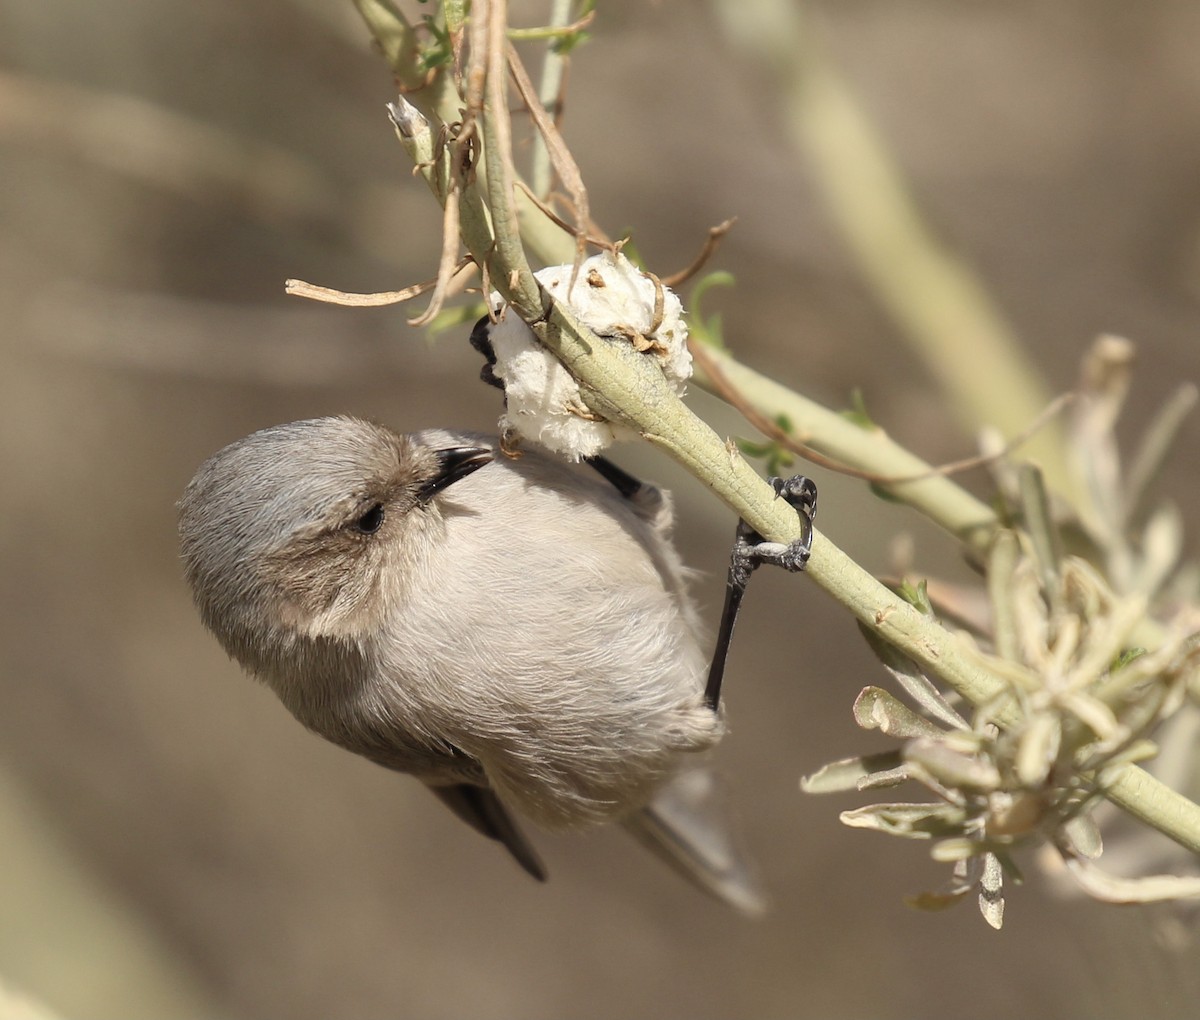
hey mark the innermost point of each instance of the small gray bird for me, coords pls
(515, 633)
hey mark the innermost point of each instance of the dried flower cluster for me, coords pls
(1095, 650)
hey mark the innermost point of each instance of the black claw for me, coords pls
(481, 341)
(800, 493)
(483, 344)
(742, 560)
(750, 549)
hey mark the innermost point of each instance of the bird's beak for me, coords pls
(454, 463)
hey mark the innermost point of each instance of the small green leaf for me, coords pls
(455, 13)
(780, 460)
(882, 492)
(776, 458)
(1126, 657)
(572, 39)
(857, 411)
(918, 596)
(453, 317)
(435, 51)
(708, 329)
(753, 449)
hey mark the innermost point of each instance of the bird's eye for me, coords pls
(369, 522)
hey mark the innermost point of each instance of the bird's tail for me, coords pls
(686, 827)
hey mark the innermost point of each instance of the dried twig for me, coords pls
(594, 236)
(449, 263)
(330, 296)
(560, 156)
(715, 234)
(773, 431)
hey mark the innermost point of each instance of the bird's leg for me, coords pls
(621, 480)
(749, 547)
(629, 487)
(749, 550)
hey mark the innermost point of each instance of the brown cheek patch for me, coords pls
(310, 572)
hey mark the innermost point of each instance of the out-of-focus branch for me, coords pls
(77, 945)
(941, 307)
(163, 149)
(549, 89)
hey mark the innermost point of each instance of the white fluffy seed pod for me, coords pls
(613, 298)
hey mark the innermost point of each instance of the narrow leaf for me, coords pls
(1162, 544)
(912, 821)
(957, 848)
(991, 895)
(1037, 749)
(1152, 451)
(875, 708)
(849, 773)
(916, 685)
(953, 768)
(1002, 565)
(1035, 505)
(1083, 834)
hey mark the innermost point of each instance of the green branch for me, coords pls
(629, 389)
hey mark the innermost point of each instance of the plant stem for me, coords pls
(630, 389)
(869, 449)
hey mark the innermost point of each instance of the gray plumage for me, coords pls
(514, 633)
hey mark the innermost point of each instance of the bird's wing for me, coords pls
(481, 809)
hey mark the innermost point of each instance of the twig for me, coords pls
(711, 243)
(330, 296)
(557, 28)
(772, 430)
(594, 236)
(560, 156)
(515, 281)
(449, 263)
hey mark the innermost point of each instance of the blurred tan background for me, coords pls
(171, 842)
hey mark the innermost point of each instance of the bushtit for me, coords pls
(513, 632)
